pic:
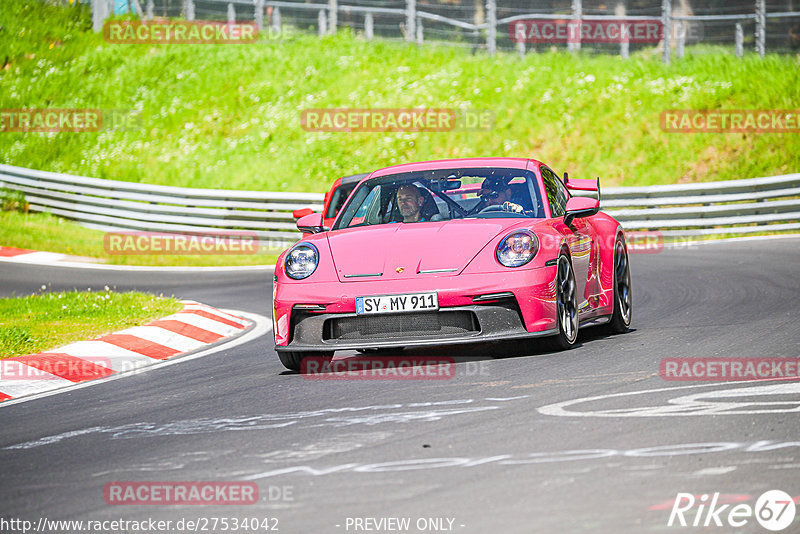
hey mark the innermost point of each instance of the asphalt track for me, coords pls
(498, 448)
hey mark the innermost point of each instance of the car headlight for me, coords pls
(517, 248)
(301, 261)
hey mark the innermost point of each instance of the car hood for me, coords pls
(370, 253)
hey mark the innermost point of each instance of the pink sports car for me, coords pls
(453, 251)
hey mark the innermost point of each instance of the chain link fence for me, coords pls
(595, 26)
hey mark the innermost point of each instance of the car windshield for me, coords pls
(443, 194)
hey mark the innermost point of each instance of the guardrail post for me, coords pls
(739, 40)
(332, 16)
(574, 39)
(680, 31)
(761, 26)
(276, 20)
(411, 19)
(491, 27)
(419, 36)
(231, 14)
(258, 13)
(188, 9)
(322, 20)
(150, 8)
(666, 21)
(368, 26)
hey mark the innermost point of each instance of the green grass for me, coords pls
(45, 321)
(42, 231)
(228, 116)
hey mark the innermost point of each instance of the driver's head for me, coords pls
(495, 191)
(409, 202)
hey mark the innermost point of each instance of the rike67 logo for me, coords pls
(774, 510)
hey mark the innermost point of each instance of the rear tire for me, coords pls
(566, 306)
(293, 360)
(621, 316)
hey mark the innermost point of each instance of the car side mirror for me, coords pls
(311, 223)
(302, 212)
(578, 207)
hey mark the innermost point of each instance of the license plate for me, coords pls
(397, 303)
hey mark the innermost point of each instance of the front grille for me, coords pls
(403, 325)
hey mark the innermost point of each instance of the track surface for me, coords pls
(483, 449)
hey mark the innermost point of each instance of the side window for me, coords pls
(339, 196)
(556, 192)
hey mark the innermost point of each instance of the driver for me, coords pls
(497, 192)
(409, 203)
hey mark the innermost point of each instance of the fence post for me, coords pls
(521, 48)
(419, 31)
(332, 16)
(761, 26)
(680, 36)
(188, 9)
(624, 44)
(491, 27)
(99, 14)
(150, 8)
(666, 21)
(368, 26)
(276, 20)
(258, 13)
(231, 14)
(574, 39)
(137, 9)
(322, 20)
(739, 40)
(411, 19)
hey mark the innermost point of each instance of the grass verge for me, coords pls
(228, 116)
(42, 231)
(45, 321)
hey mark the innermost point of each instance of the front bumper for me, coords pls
(530, 311)
(462, 324)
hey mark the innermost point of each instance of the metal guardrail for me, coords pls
(749, 206)
(713, 208)
(114, 205)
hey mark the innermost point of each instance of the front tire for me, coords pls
(293, 360)
(621, 316)
(566, 306)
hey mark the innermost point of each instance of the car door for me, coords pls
(583, 243)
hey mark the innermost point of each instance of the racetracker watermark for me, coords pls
(774, 510)
(51, 120)
(53, 368)
(133, 243)
(731, 121)
(164, 31)
(180, 493)
(379, 368)
(715, 369)
(69, 120)
(558, 31)
(637, 241)
(395, 120)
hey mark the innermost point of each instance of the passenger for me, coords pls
(497, 192)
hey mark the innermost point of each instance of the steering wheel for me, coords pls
(493, 207)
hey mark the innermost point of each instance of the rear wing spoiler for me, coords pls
(591, 185)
